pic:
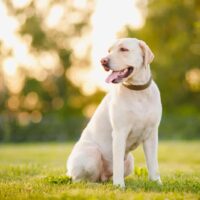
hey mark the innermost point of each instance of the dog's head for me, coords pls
(125, 58)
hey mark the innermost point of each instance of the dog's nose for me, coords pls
(105, 62)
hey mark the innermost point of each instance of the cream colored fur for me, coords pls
(124, 119)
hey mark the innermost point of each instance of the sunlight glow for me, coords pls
(107, 21)
(37, 64)
(89, 110)
(31, 100)
(80, 3)
(13, 103)
(10, 26)
(23, 118)
(36, 116)
(193, 79)
(20, 3)
(10, 66)
(42, 6)
(55, 14)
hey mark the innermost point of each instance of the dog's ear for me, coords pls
(148, 55)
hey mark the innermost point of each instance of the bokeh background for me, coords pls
(51, 80)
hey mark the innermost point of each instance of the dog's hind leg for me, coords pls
(86, 164)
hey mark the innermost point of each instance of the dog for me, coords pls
(128, 115)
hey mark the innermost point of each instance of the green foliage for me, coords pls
(180, 126)
(33, 27)
(58, 180)
(171, 30)
(65, 57)
(138, 171)
(52, 128)
(37, 171)
(58, 101)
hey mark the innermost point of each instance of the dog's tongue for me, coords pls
(115, 76)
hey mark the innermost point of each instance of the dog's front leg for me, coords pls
(150, 147)
(118, 146)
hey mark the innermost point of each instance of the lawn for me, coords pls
(37, 171)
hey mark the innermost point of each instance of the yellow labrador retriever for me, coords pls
(127, 116)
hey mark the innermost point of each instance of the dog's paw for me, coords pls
(157, 181)
(119, 184)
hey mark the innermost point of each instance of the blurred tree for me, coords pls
(46, 95)
(172, 31)
(39, 101)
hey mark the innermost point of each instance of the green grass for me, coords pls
(37, 171)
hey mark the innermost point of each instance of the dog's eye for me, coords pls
(123, 49)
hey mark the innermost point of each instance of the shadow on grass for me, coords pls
(174, 183)
(177, 183)
(58, 180)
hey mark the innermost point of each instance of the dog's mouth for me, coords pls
(118, 76)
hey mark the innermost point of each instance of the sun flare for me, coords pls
(108, 18)
(107, 21)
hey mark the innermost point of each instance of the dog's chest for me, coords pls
(138, 112)
(143, 115)
(138, 134)
(142, 126)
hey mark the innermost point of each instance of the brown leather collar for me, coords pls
(138, 87)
